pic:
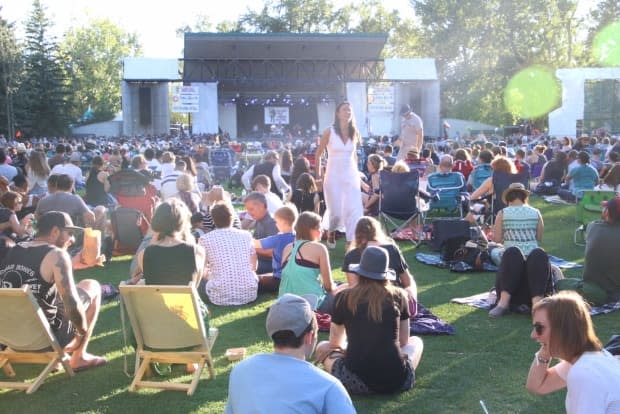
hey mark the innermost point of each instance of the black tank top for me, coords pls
(173, 265)
(95, 192)
(21, 267)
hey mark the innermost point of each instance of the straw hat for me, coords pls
(515, 187)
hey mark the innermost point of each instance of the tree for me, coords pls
(42, 95)
(10, 64)
(290, 16)
(478, 46)
(606, 13)
(93, 55)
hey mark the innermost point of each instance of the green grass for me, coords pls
(486, 359)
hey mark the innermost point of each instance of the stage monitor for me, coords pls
(276, 115)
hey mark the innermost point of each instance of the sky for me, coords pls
(154, 24)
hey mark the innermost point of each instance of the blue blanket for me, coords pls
(425, 323)
(434, 259)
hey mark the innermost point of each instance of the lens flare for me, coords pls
(606, 45)
(532, 92)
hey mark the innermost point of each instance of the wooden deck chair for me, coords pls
(28, 338)
(168, 327)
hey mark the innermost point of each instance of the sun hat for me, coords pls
(290, 313)
(515, 187)
(374, 264)
(20, 147)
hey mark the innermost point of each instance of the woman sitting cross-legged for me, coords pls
(524, 275)
(230, 260)
(369, 348)
(305, 266)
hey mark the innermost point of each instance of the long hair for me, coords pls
(374, 292)
(572, 332)
(369, 229)
(612, 178)
(300, 166)
(306, 222)
(377, 161)
(353, 132)
(286, 160)
(306, 183)
(37, 164)
(503, 164)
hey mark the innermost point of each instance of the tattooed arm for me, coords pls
(63, 278)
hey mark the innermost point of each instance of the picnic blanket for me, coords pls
(555, 199)
(426, 323)
(434, 259)
(484, 301)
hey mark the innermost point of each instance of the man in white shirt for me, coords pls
(411, 132)
(271, 168)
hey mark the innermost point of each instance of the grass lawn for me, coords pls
(486, 359)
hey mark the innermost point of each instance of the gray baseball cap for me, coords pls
(290, 313)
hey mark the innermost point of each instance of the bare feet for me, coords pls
(86, 361)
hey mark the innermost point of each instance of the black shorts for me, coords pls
(355, 385)
(65, 332)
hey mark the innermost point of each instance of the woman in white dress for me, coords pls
(341, 184)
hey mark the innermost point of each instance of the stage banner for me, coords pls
(276, 115)
(380, 98)
(185, 99)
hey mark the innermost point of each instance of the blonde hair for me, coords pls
(287, 213)
(400, 167)
(185, 182)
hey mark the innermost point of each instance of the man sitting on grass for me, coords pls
(283, 382)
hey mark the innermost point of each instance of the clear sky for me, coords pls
(155, 22)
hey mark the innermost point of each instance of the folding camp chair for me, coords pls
(169, 328)
(399, 199)
(589, 209)
(501, 181)
(29, 339)
(480, 173)
(129, 227)
(446, 189)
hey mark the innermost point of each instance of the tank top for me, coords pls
(299, 279)
(519, 225)
(95, 192)
(22, 267)
(173, 265)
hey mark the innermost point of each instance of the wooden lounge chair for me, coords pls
(29, 339)
(169, 328)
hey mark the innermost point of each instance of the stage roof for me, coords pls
(284, 46)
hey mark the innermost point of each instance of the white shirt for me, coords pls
(592, 383)
(71, 170)
(246, 179)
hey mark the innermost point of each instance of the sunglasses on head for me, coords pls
(539, 328)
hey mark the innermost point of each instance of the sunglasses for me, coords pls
(539, 328)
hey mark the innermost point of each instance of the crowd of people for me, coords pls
(293, 199)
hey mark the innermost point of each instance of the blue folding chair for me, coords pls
(446, 190)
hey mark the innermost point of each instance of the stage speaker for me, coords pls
(144, 99)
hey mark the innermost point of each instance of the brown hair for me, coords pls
(10, 199)
(374, 292)
(286, 160)
(612, 178)
(306, 183)
(368, 229)
(572, 332)
(353, 132)
(263, 180)
(306, 222)
(222, 215)
(503, 164)
(287, 213)
(37, 164)
(172, 216)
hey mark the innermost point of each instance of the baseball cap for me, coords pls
(75, 157)
(290, 313)
(53, 219)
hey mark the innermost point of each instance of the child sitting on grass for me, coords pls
(285, 219)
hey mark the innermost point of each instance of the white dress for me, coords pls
(341, 186)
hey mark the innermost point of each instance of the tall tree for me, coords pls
(10, 64)
(605, 13)
(290, 16)
(93, 55)
(43, 92)
(480, 45)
